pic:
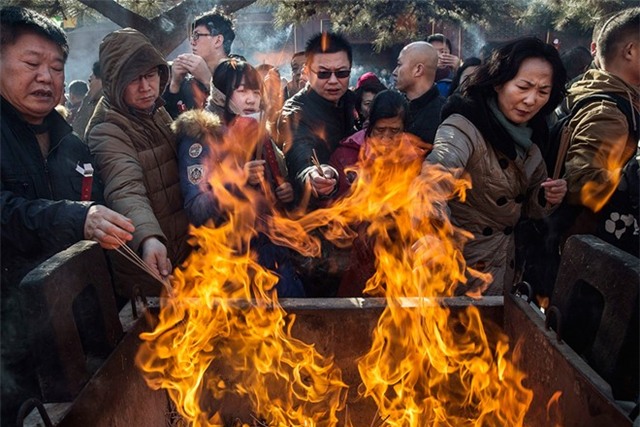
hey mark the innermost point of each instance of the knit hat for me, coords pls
(368, 79)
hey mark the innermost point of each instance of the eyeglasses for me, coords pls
(325, 75)
(151, 75)
(195, 36)
(381, 132)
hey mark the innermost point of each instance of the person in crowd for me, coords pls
(385, 127)
(77, 91)
(367, 87)
(233, 107)
(135, 151)
(383, 134)
(296, 83)
(89, 102)
(602, 138)
(448, 63)
(415, 76)
(211, 41)
(43, 211)
(319, 116)
(467, 68)
(490, 134)
(576, 61)
(273, 98)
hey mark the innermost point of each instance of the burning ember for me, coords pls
(224, 334)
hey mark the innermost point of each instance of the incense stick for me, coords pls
(134, 258)
(316, 163)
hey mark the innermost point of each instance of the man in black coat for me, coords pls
(318, 117)
(415, 75)
(47, 195)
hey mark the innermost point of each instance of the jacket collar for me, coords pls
(477, 112)
(425, 98)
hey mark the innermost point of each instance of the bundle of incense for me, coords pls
(316, 163)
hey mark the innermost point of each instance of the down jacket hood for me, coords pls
(124, 55)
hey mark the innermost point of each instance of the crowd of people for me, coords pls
(150, 129)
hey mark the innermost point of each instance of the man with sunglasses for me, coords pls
(210, 40)
(321, 114)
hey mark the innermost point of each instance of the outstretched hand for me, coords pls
(107, 227)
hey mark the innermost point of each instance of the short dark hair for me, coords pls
(618, 29)
(469, 62)
(78, 88)
(327, 42)
(504, 64)
(228, 76)
(15, 21)
(437, 37)
(576, 61)
(95, 69)
(387, 104)
(218, 22)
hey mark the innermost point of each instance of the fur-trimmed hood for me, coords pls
(197, 124)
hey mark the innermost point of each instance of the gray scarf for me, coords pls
(521, 134)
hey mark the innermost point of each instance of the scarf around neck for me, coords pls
(521, 134)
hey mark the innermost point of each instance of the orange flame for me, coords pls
(553, 403)
(224, 333)
(595, 193)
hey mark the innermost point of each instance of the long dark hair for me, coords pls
(385, 105)
(227, 78)
(504, 63)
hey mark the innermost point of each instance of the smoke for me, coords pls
(84, 44)
(261, 43)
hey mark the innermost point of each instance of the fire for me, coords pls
(553, 407)
(224, 333)
(595, 193)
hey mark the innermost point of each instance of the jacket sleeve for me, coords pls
(41, 224)
(452, 147)
(596, 154)
(200, 203)
(298, 149)
(123, 178)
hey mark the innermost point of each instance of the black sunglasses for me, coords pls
(324, 75)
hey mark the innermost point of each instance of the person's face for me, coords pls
(333, 87)
(387, 131)
(142, 92)
(296, 68)
(442, 49)
(522, 97)
(95, 85)
(248, 100)
(32, 76)
(365, 104)
(205, 45)
(403, 73)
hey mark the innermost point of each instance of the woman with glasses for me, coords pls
(383, 136)
(490, 134)
(231, 133)
(385, 129)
